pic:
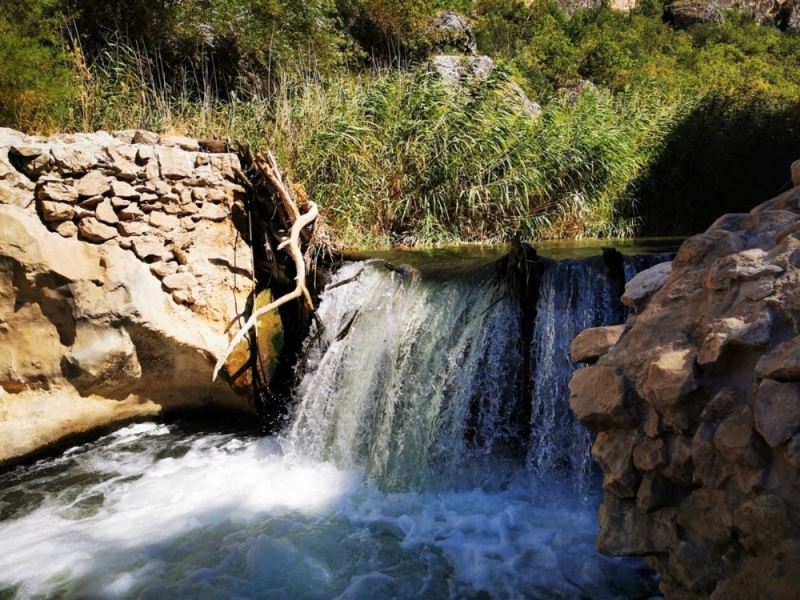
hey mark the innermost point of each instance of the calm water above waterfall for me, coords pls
(431, 455)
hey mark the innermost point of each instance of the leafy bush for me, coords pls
(36, 85)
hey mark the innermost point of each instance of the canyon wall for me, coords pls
(696, 406)
(120, 270)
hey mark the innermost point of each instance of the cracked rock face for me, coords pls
(120, 269)
(696, 405)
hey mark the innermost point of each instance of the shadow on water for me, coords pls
(722, 158)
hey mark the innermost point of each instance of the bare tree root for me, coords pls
(300, 290)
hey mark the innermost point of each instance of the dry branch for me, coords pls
(300, 290)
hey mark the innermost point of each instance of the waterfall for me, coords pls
(417, 379)
(406, 370)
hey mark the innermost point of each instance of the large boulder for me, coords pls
(702, 475)
(118, 282)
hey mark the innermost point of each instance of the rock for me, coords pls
(131, 213)
(613, 451)
(123, 189)
(625, 530)
(150, 249)
(105, 212)
(597, 397)
(595, 342)
(184, 297)
(102, 359)
(644, 284)
(162, 221)
(175, 164)
(734, 331)
(777, 411)
(793, 451)
(762, 520)
(212, 212)
(706, 515)
(119, 203)
(57, 192)
(91, 340)
(55, 212)
(162, 269)
(682, 14)
(145, 137)
(453, 68)
(179, 281)
(94, 183)
(782, 363)
(450, 32)
(132, 228)
(795, 170)
(92, 230)
(91, 203)
(650, 454)
(670, 378)
(67, 229)
(177, 141)
(653, 493)
(734, 438)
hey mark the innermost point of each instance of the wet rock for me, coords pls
(595, 342)
(625, 530)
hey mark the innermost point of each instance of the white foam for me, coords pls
(232, 517)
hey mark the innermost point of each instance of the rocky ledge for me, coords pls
(120, 270)
(696, 405)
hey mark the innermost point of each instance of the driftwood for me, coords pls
(265, 167)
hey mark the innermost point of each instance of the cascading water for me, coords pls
(422, 462)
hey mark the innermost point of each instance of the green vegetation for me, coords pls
(643, 129)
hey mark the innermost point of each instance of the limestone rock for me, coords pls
(179, 281)
(685, 13)
(57, 191)
(178, 141)
(597, 397)
(644, 284)
(782, 363)
(131, 213)
(145, 137)
(450, 32)
(102, 359)
(595, 342)
(67, 229)
(105, 212)
(777, 411)
(150, 249)
(92, 230)
(56, 211)
(669, 378)
(94, 183)
(162, 221)
(212, 212)
(132, 228)
(175, 164)
(123, 189)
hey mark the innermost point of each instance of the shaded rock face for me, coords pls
(697, 412)
(685, 13)
(120, 269)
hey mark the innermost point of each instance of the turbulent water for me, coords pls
(422, 462)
